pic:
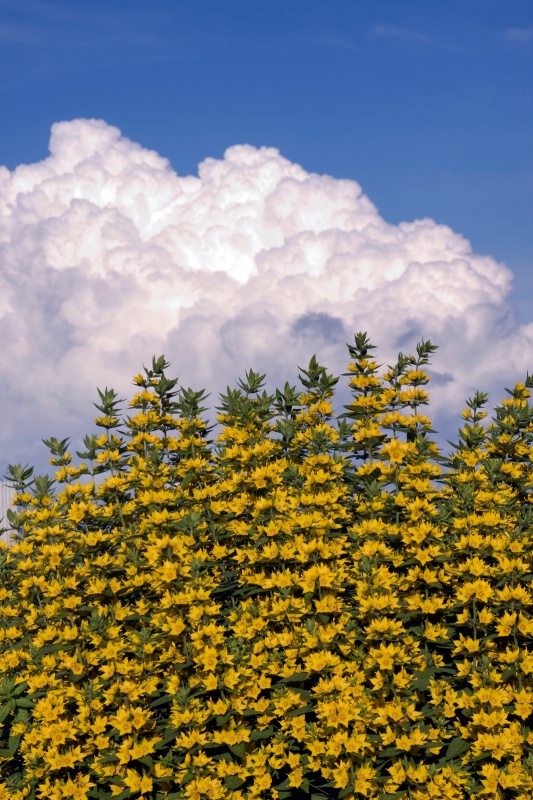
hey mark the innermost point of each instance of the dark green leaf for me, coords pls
(167, 698)
(395, 796)
(233, 781)
(262, 734)
(187, 479)
(170, 735)
(23, 702)
(389, 752)
(423, 678)
(430, 711)
(295, 712)
(238, 749)
(6, 709)
(296, 678)
(456, 747)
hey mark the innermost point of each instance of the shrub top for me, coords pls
(302, 606)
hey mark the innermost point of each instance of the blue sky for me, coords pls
(427, 105)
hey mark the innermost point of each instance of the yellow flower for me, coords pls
(419, 774)
(490, 719)
(138, 783)
(415, 738)
(262, 782)
(485, 616)
(296, 777)
(397, 776)
(395, 450)
(123, 751)
(317, 662)
(509, 593)
(385, 656)
(65, 760)
(523, 703)
(526, 662)
(78, 788)
(435, 631)
(466, 643)
(340, 775)
(525, 626)
(506, 623)
(363, 778)
(121, 721)
(168, 571)
(207, 659)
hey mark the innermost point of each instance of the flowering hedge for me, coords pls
(304, 606)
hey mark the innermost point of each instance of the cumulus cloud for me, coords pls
(107, 257)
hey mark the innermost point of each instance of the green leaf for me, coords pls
(123, 795)
(295, 712)
(262, 734)
(14, 742)
(456, 747)
(167, 698)
(187, 479)
(108, 759)
(7, 709)
(233, 781)
(238, 749)
(345, 792)
(170, 735)
(53, 648)
(389, 752)
(423, 678)
(430, 711)
(24, 702)
(296, 678)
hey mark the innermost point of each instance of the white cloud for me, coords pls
(518, 35)
(107, 257)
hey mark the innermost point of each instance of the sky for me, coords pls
(244, 184)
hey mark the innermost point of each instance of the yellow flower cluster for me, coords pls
(302, 606)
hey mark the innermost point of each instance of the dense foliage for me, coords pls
(303, 606)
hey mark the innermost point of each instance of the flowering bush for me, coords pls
(302, 607)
